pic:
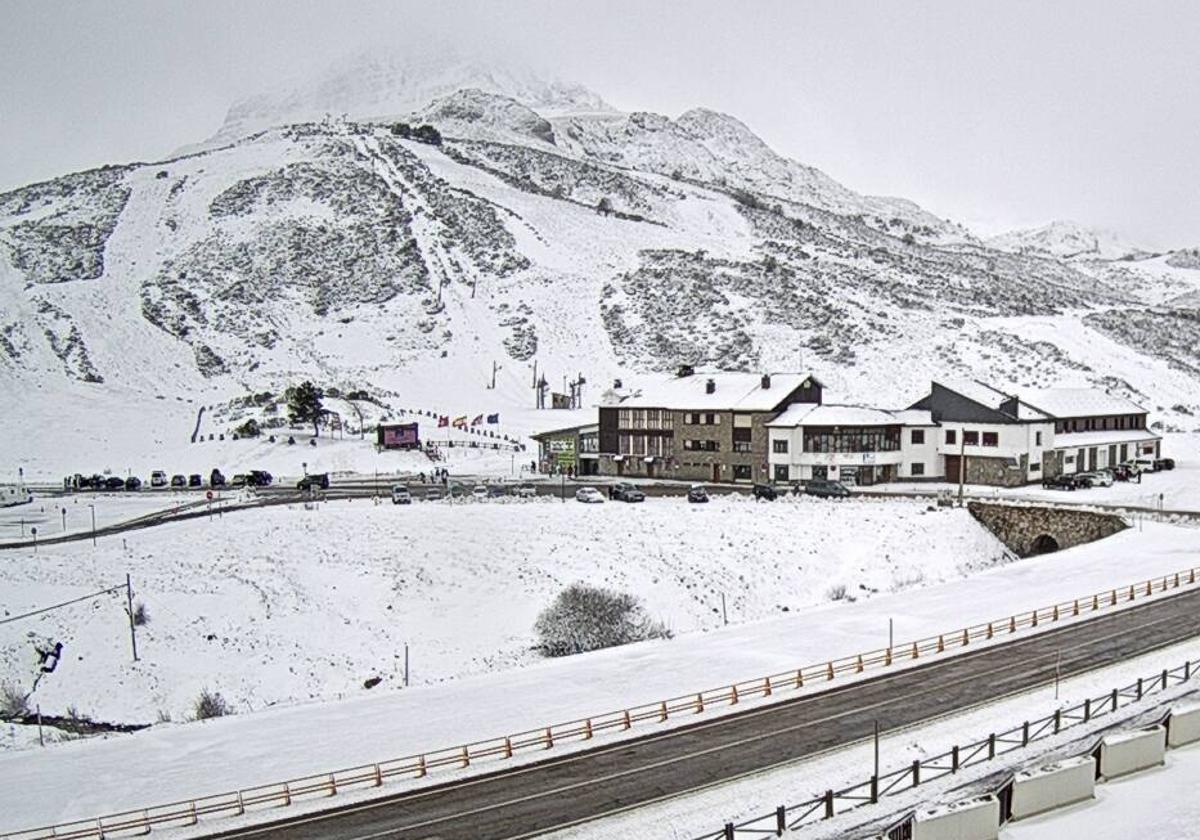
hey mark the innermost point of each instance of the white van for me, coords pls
(400, 495)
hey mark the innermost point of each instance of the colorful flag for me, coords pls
(460, 422)
(478, 420)
(493, 418)
(444, 420)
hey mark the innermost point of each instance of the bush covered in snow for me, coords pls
(12, 702)
(210, 704)
(586, 618)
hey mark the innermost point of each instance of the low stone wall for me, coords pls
(975, 819)
(1030, 529)
(1129, 752)
(1183, 727)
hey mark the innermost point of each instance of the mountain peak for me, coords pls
(1068, 239)
(371, 85)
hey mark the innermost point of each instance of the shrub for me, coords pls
(141, 616)
(427, 134)
(836, 593)
(13, 703)
(248, 429)
(210, 704)
(403, 130)
(584, 618)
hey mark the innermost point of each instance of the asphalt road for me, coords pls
(537, 798)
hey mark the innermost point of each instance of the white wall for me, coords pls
(978, 819)
(924, 453)
(1129, 752)
(1013, 441)
(1070, 781)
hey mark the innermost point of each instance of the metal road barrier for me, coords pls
(784, 684)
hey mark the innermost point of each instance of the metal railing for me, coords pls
(782, 685)
(959, 757)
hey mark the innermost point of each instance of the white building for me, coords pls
(1094, 430)
(850, 443)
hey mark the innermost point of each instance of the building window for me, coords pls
(917, 469)
(742, 472)
(1037, 438)
(742, 446)
(951, 437)
(701, 446)
(1036, 467)
(970, 438)
(712, 419)
(849, 439)
(918, 437)
(779, 446)
(993, 439)
(781, 472)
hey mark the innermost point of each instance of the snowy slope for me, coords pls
(1070, 240)
(341, 252)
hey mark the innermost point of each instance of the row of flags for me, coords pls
(461, 422)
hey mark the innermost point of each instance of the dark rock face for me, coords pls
(1029, 529)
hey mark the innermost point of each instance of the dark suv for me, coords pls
(626, 492)
(825, 489)
(1060, 482)
(258, 478)
(765, 491)
(316, 480)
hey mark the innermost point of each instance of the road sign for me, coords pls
(208, 495)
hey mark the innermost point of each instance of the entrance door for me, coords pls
(650, 470)
(1112, 455)
(820, 473)
(620, 468)
(952, 468)
(1092, 459)
(716, 468)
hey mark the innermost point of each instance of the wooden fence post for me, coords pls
(991, 746)
(421, 771)
(966, 639)
(799, 678)
(1034, 622)
(989, 630)
(1012, 624)
(941, 644)
(508, 750)
(828, 804)
(287, 797)
(662, 713)
(887, 657)
(780, 820)
(915, 651)
(378, 781)
(766, 686)
(549, 738)
(628, 723)
(916, 772)
(829, 672)
(858, 668)
(699, 703)
(587, 729)
(733, 695)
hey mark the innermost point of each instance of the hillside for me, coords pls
(340, 250)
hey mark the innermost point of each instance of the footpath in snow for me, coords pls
(149, 767)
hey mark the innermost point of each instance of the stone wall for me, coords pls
(1030, 530)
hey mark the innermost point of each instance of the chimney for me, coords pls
(766, 381)
(710, 387)
(617, 384)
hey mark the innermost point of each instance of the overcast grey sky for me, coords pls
(997, 114)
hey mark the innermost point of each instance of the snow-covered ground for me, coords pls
(320, 642)
(286, 604)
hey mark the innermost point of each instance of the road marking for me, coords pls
(773, 709)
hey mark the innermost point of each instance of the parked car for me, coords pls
(1147, 464)
(765, 491)
(195, 480)
(1132, 467)
(99, 482)
(626, 492)
(259, 478)
(1164, 463)
(401, 496)
(697, 494)
(479, 492)
(314, 481)
(498, 491)
(158, 478)
(239, 480)
(1060, 482)
(1098, 478)
(433, 494)
(825, 489)
(458, 491)
(114, 482)
(526, 491)
(216, 478)
(589, 495)
(179, 480)
(133, 483)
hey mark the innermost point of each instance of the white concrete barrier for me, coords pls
(974, 819)
(1184, 725)
(1053, 786)
(1128, 752)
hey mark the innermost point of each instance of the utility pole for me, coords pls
(129, 609)
(93, 507)
(877, 750)
(890, 638)
(1057, 672)
(724, 615)
(64, 518)
(406, 664)
(962, 464)
(495, 367)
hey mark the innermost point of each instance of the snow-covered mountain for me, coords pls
(543, 229)
(1070, 240)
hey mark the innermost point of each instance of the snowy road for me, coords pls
(557, 793)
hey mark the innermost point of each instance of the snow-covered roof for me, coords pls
(810, 414)
(991, 397)
(732, 391)
(1075, 440)
(1079, 402)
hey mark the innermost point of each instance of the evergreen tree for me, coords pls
(304, 405)
(604, 206)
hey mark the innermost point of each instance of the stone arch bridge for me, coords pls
(1032, 529)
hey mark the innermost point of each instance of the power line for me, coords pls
(63, 604)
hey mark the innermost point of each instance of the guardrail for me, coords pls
(236, 803)
(959, 757)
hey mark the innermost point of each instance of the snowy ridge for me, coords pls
(1070, 240)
